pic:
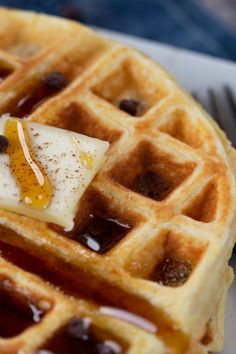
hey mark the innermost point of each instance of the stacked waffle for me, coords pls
(161, 209)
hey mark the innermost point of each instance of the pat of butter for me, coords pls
(70, 161)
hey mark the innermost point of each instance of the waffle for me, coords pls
(164, 199)
(213, 340)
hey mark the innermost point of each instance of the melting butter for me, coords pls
(86, 158)
(61, 174)
(35, 187)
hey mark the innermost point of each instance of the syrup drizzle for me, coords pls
(79, 336)
(100, 233)
(16, 315)
(49, 85)
(66, 279)
(35, 187)
(86, 158)
(127, 316)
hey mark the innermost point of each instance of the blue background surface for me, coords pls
(183, 23)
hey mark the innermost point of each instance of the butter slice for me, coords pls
(70, 160)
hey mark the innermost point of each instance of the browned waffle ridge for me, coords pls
(162, 207)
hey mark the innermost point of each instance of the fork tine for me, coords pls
(231, 99)
(215, 108)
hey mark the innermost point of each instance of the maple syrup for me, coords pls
(5, 71)
(79, 336)
(129, 317)
(100, 234)
(16, 314)
(35, 187)
(77, 284)
(48, 86)
(86, 158)
(34, 264)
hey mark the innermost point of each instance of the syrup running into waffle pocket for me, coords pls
(5, 71)
(48, 86)
(16, 314)
(101, 234)
(66, 278)
(79, 337)
(36, 189)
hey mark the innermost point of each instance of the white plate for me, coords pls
(195, 72)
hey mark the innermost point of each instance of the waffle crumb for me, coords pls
(129, 106)
(55, 80)
(172, 272)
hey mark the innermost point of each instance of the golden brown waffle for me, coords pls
(169, 180)
(213, 340)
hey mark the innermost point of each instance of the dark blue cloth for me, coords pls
(182, 23)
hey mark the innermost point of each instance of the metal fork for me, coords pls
(221, 105)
